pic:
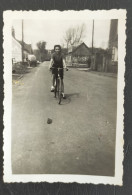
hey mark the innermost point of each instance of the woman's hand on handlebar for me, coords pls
(65, 68)
(50, 68)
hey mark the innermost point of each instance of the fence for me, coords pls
(102, 62)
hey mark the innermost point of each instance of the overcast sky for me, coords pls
(53, 31)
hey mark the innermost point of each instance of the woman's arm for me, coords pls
(64, 63)
(51, 63)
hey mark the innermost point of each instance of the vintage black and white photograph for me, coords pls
(64, 82)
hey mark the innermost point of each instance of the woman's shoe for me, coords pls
(52, 88)
(63, 95)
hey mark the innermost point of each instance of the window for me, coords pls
(114, 54)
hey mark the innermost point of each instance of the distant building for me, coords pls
(79, 54)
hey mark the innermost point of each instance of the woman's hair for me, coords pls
(57, 46)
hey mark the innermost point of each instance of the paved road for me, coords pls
(81, 138)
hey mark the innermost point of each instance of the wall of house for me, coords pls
(16, 51)
(80, 59)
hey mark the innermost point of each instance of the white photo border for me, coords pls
(9, 16)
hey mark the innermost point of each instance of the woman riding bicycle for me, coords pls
(57, 61)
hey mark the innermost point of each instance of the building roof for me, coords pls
(76, 48)
(97, 50)
(27, 47)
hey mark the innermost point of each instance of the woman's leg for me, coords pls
(62, 86)
(53, 80)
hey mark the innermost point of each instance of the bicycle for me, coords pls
(58, 84)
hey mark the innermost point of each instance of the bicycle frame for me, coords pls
(58, 87)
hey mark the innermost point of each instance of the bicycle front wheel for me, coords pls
(59, 91)
(59, 98)
(55, 90)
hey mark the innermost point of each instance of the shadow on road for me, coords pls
(69, 98)
(73, 95)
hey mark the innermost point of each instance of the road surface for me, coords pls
(81, 137)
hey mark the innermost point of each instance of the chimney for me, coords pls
(13, 32)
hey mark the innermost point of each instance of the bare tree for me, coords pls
(80, 31)
(42, 48)
(74, 35)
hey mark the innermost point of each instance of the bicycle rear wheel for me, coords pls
(59, 98)
(55, 91)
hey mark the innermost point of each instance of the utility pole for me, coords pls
(93, 37)
(22, 43)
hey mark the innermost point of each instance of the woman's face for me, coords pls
(57, 49)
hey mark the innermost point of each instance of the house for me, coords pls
(17, 48)
(113, 46)
(113, 39)
(107, 60)
(79, 54)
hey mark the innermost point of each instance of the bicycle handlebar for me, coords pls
(58, 68)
